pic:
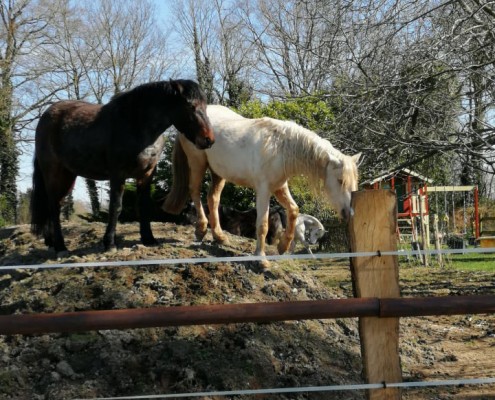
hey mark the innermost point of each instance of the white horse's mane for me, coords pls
(306, 152)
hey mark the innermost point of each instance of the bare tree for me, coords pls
(128, 46)
(23, 32)
(296, 43)
(409, 81)
(216, 36)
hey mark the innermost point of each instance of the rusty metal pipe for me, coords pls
(186, 315)
(237, 313)
(445, 305)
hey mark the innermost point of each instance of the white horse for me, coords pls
(306, 223)
(261, 154)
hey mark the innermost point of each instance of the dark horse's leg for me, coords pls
(59, 186)
(144, 205)
(115, 207)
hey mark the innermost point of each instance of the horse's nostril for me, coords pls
(209, 142)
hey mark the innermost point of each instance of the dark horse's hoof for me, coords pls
(149, 242)
(111, 249)
(62, 254)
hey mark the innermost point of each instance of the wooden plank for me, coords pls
(487, 241)
(372, 228)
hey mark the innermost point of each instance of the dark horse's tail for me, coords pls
(39, 201)
(179, 192)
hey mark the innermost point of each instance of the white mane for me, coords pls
(303, 150)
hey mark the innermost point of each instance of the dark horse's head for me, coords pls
(191, 119)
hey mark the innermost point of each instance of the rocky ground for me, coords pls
(138, 362)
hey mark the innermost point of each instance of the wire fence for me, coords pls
(283, 257)
(406, 254)
(312, 389)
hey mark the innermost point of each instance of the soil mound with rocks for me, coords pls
(153, 361)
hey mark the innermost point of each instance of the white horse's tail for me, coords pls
(179, 192)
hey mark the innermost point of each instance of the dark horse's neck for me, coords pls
(147, 109)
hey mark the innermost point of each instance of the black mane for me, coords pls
(154, 90)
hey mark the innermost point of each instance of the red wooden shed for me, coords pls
(407, 184)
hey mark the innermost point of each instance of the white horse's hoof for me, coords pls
(265, 264)
(199, 237)
(282, 247)
(222, 240)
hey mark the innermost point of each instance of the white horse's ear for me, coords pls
(356, 158)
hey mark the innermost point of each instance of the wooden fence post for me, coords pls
(373, 228)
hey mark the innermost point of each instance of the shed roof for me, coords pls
(396, 172)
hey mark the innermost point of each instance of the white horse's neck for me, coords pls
(304, 151)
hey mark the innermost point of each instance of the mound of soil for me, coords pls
(111, 363)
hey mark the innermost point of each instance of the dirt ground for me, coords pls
(139, 362)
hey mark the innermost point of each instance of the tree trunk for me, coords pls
(93, 197)
(203, 70)
(8, 156)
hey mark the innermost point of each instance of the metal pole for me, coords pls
(476, 214)
(239, 313)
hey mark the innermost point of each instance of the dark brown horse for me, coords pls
(119, 140)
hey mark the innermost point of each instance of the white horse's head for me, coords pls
(315, 234)
(340, 180)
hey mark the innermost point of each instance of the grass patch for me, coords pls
(483, 262)
(472, 261)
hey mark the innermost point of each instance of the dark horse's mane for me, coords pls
(149, 92)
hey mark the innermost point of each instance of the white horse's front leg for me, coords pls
(214, 194)
(292, 246)
(306, 244)
(202, 221)
(285, 199)
(262, 211)
(298, 237)
(196, 178)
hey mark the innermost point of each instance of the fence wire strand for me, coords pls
(201, 260)
(335, 388)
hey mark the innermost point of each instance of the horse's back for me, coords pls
(239, 154)
(66, 114)
(219, 112)
(66, 108)
(67, 117)
(70, 135)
